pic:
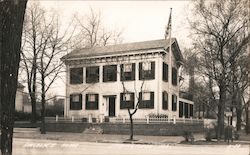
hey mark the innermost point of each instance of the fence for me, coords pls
(146, 120)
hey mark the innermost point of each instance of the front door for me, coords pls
(111, 106)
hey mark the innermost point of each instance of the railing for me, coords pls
(149, 120)
(146, 120)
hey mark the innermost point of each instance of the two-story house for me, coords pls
(106, 81)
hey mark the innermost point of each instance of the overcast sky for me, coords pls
(140, 20)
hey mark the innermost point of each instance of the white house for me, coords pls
(106, 81)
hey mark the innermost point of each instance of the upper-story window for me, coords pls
(164, 100)
(127, 72)
(165, 72)
(92, 74)
(146, 70)
(127, 100)
(146, 100)
(109, 73)
(92, 101)
(75, 101)
(174, 102)
(174, 76)
(76, 75)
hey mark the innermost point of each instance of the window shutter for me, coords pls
(71, 103)
(80, 102)
(122, 73)
(87, 103)
(133, 72)
(140, 100)
(151, 100)
(152, 70)
(96, 101)
(140, 71)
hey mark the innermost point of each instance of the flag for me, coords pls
(168, 28)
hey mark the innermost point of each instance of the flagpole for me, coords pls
(170, 63)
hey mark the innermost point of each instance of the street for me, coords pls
(53, 147)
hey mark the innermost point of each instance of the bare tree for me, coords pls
(32, 45)
(44, 43)
(216, 26)
(92, 32)
(11, 24)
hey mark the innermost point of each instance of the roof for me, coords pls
(122, 48)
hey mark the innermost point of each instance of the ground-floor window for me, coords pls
(92, 101)
(75, 101)
(146, 100)
(127, 100)
(180, 109)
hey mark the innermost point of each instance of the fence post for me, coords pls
(72, 119)
(174, 120)
(56, 118)
(147, 119)
(101, 119)
(90, 118)
(191, 119)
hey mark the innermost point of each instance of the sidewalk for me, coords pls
(102, 138)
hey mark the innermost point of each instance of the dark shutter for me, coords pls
(87, 101)
(140, 100)
(96, 101)
(164, 100)
(140, 71)
(80, 102)
(133, 72)
(174, 100)
(180, 109)
(152, 75)
(151, 100)
(71, 103)
(186, 110)
(165, 72)
(122, 73)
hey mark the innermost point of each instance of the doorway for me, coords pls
(111, 103)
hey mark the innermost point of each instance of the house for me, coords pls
(22, 103)
(19, 97)
(106, 81)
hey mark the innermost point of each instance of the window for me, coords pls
(191, 110)
(180, 109)
(146, 70)
(92, 74)
(75, 101)
(164, 100)
(174, 76)
(127, 100)
(146, 100)
(165, 72)
(76, 75)
(92, 101)
(127, 72)
(109, 73)
(174, 102)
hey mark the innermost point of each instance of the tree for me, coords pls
(32, 44)
(11, 24)
(217, 25)
(92, 32)
(44, 43)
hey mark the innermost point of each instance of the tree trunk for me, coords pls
(11, 24)
(247, 120)
(238, 119)
(33, 106)
(131, 127)
(221, 109)
(43, 129)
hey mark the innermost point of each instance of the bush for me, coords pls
(24, 116)
(152, 115)
(189, 137)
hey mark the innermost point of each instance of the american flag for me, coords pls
(168, 28)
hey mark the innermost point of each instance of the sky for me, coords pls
(139, 20)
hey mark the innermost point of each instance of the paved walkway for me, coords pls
(107, 138)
